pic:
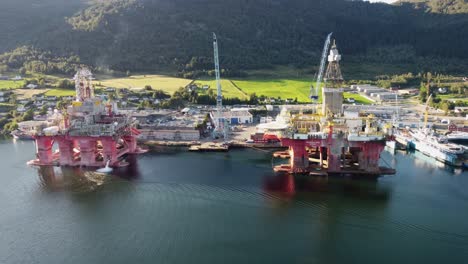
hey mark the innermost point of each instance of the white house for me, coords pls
(31, 86)
(442, 90)
(21, 108)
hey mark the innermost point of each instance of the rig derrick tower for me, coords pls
(332, 99)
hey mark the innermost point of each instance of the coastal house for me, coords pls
(192, 87)
(5, 93)
(22, 108)
(442, 90)
(38, 97)
(24, 101)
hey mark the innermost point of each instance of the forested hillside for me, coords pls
(441, 6)
(145, 35)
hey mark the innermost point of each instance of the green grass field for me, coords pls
(7, 85)
(59, 92)
(452, 97)
(358, 98)
(157, 82)
(284, 88)
(227, 87)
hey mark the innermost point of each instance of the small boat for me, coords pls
(20, 135)
(458, 137)
(464, 166)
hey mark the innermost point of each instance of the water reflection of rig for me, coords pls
(90, 132)
(325, 142)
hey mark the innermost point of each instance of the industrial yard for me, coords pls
(334, 135)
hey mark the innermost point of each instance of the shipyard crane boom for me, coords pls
(219, 97)
(314, 94)
(224, 130)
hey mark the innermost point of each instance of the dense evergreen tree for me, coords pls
(148, 35)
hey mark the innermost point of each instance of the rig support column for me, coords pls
(369, 156)
(299, 157)
(321, 150)
(88, 152)
(131, 143)
(334, 156)
(44, 150)
(66, 151)
(109, 150)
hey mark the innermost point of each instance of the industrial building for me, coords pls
(234, 116)
(172, 134)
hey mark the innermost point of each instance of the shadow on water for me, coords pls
(340, 207)
(84, 180)
(305, 187)
(431, 164)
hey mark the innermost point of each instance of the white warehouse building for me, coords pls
(235, 116)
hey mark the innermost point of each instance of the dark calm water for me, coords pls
(180, 207)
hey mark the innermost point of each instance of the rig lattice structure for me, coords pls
(327, 143)
(90, 132)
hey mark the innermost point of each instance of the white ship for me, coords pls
(438, 148)
(458, 137)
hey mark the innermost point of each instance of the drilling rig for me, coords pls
(90, 133)
(327, 143)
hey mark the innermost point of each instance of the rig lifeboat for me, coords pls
(51, 131)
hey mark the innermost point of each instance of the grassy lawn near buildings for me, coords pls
(59, 92)
(8, 84)
(453, 97)
(229, 90)
(157, 82)
(274, 88)
(358, 98)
